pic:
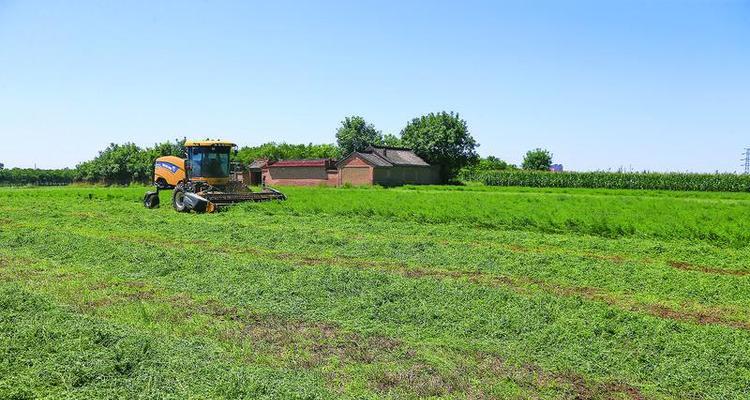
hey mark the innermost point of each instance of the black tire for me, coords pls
(161, 183)
(178, 200)
(151, 200)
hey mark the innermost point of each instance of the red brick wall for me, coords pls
(356, 172)
(333, 177)
(300, 176)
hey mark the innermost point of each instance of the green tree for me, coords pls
(280, 151)
(126, 163)
(392, 140)
(355, 134)
(442, 139)
(176, 148)
(492, 163)
(537, 160)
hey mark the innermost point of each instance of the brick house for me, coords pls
(300, 172)
(386, 166)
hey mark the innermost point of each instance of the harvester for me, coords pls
(201, 182)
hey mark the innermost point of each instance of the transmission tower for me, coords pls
(746, 160)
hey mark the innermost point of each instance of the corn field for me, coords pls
(616, 180)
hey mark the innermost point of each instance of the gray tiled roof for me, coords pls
(398, 156)
(257, 164)
(388, 157)
(375, 159)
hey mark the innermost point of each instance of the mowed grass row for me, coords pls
(721, 219)
(381, 277)
(713, 219)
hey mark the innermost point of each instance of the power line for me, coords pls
(746, 160)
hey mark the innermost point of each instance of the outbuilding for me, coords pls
(386, 166)
(256, 171)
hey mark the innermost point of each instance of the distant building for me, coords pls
(238, 173)
(300, 172)
(256, 171)
(556, 168)
(387, 166)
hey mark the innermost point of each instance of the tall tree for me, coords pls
(537, 160)
(392, 140)
(355, 134)
(442, 139)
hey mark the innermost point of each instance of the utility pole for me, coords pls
(746, 160)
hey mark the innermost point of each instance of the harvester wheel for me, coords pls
(151, 200)
(178, 200)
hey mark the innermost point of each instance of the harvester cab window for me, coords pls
(209, 162)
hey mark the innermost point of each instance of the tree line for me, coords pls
(441, 139)
(33, 176)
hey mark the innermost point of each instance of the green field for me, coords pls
(444, 292)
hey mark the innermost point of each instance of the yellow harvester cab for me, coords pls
(207, 161)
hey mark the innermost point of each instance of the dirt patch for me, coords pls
(707, 270)
(614, 258)
(631, 392)
(100, 286)
(141, 295)
(92, 305)
(7, 261)
(316, 342)
(354, 262)
(421, 379)
(574, 385)
(699, 317)
(617, 259)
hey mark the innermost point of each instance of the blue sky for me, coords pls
(657, 85)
